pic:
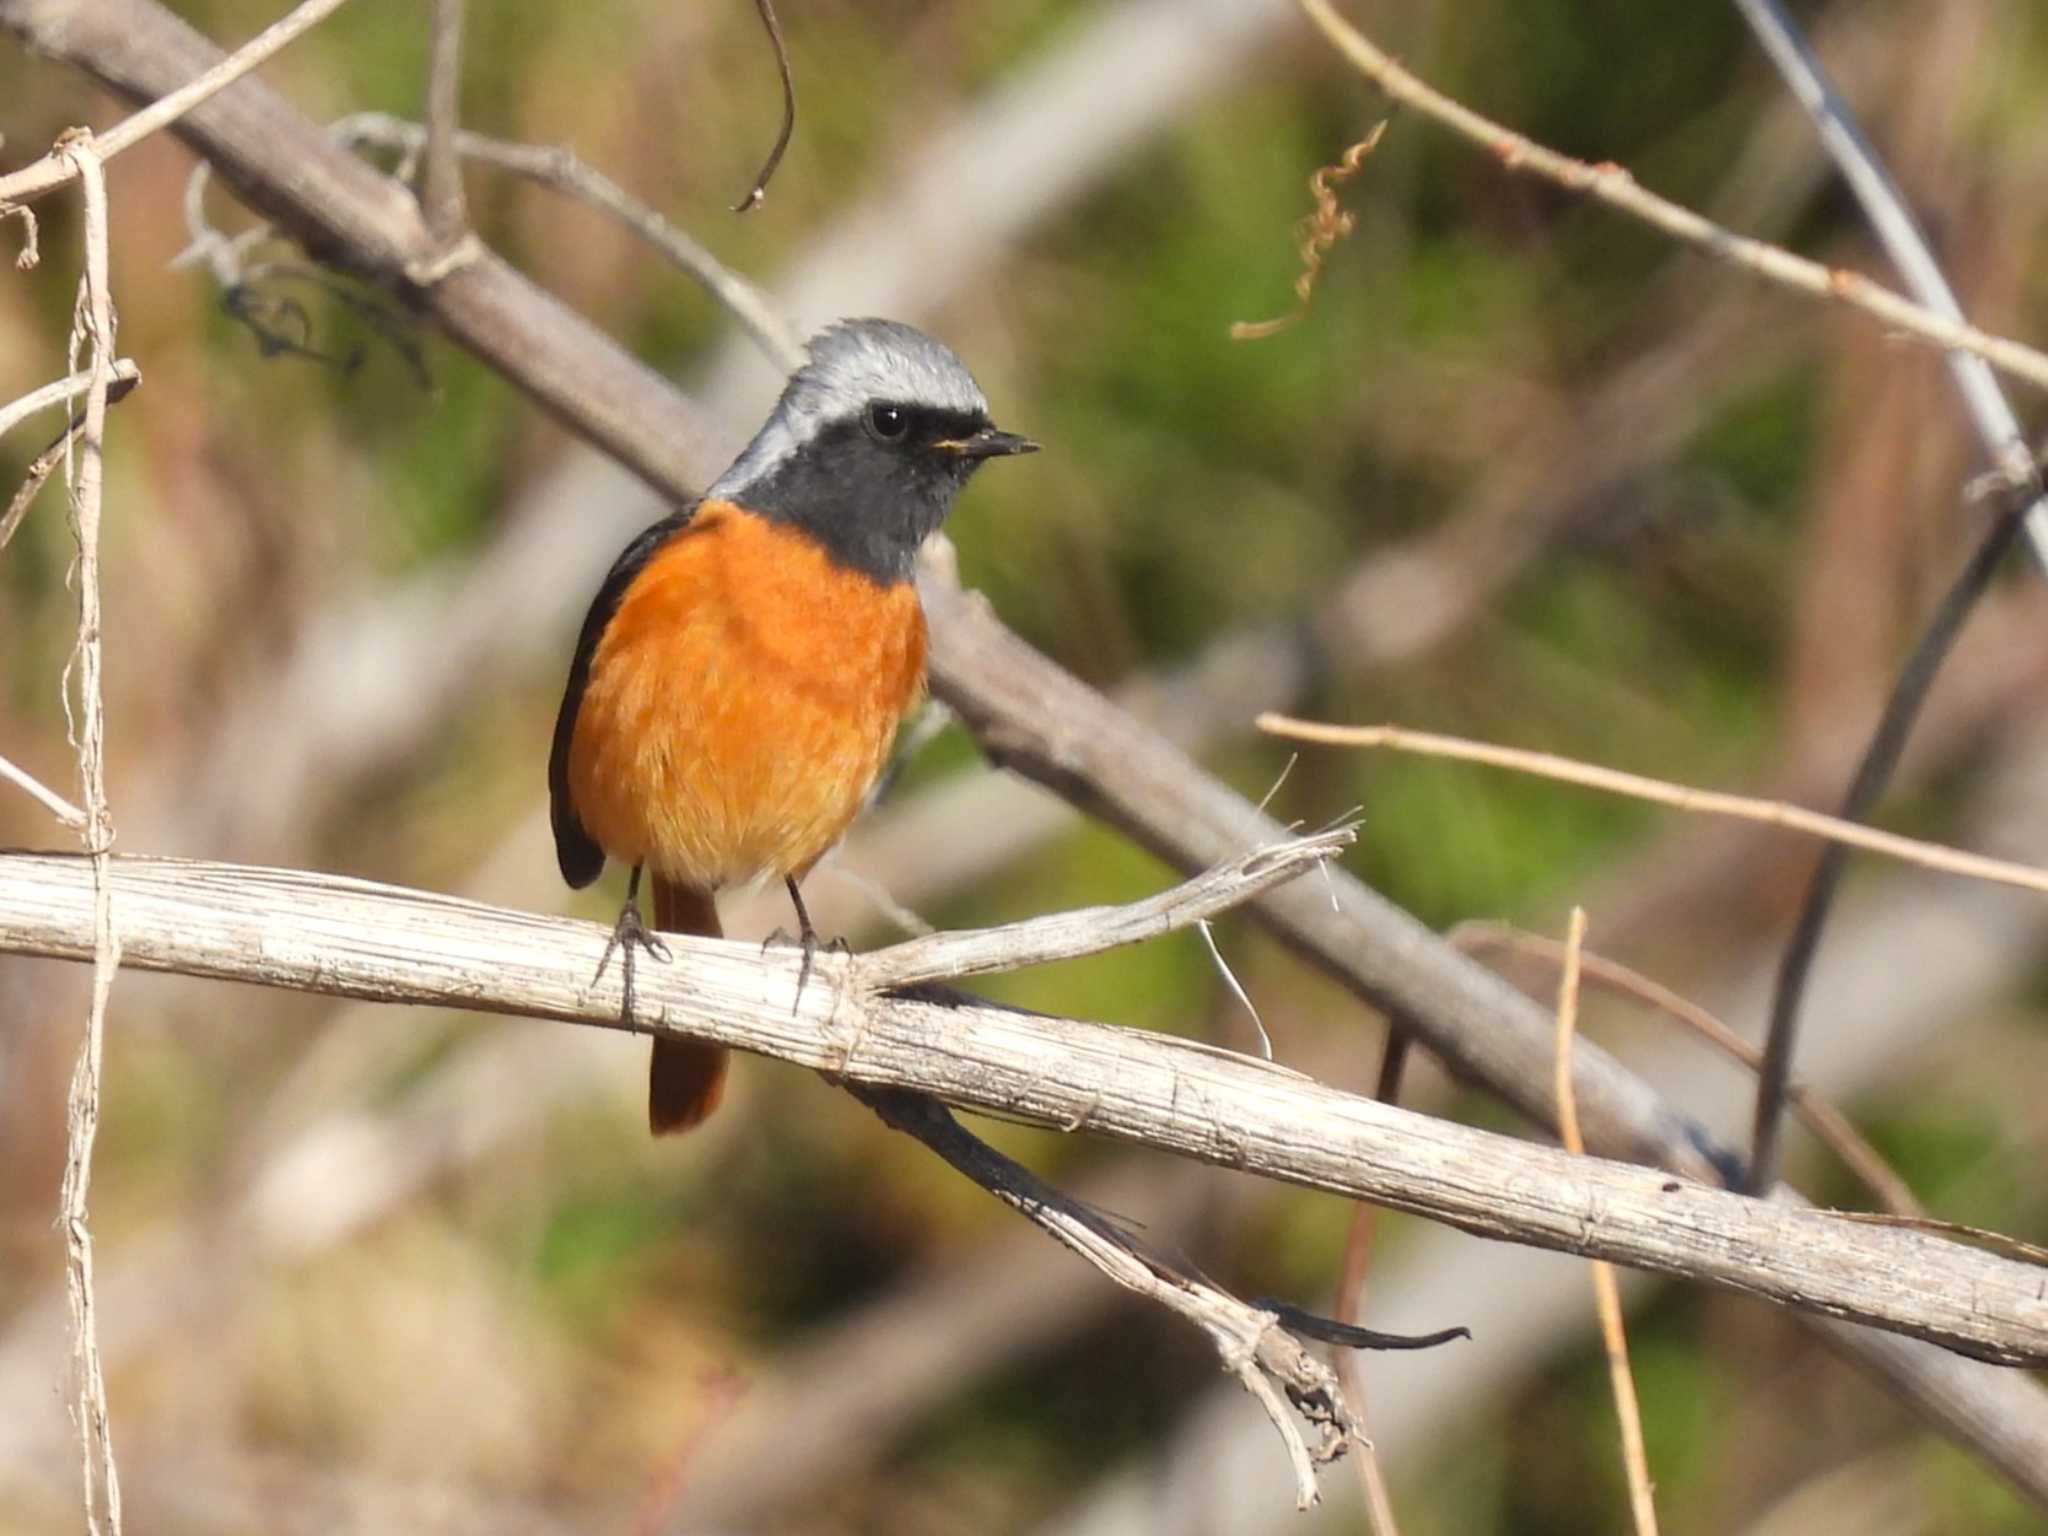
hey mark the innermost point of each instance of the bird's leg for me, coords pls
(807, 936)
(629, 933)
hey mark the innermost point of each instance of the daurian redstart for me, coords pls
(741, 672)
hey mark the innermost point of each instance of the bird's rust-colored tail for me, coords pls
(686, 1078)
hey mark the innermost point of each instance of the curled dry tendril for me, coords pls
(1316, 234)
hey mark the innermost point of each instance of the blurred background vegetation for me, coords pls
(1522, 472)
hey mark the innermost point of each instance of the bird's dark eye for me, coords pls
(888, 422)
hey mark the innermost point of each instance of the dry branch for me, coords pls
(1636, 786)
(441, 168)
(93, 327)
(1351, 1279)
(1086, 930)
(56, 169)
(1613, 185)
(1256, 1348)
(43, 795)
(1827, 1124)
(61, 392)
(1991, 414)
(561, 169)
(1606, 1293)
(357, 939)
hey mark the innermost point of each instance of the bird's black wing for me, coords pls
(575, 850)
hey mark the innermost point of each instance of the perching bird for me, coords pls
(741, 672)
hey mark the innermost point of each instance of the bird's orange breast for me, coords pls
(741, 702)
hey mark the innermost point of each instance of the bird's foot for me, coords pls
(811, 944)
(629, 933)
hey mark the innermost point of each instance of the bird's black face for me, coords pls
(874, 486)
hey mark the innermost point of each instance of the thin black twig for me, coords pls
(931, 1122)
(1260, 1342)
(1998, 428)
(759, 189)
(1313, 1325)
(1880, 759)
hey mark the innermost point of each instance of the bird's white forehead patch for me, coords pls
(852, 363)
(856, 361)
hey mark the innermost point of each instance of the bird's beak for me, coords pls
(988, 443)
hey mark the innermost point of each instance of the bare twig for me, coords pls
(1885, 206)
(57, 168)
(759, 189)
(62, 392)
(1792, 818)
(48, 798)
(1828, 1124)
(251, 55)
(898, 914)
(1244, 999)
(357, 939)
(441, 168)
(1088, 930)
(125, 377)
(40, 468)
(560, 169)
(206, 243)
(30, 253)
(1266, 1359)
(1606, 1294)
(95, 327)
(1358, 1243)
(1611, 184)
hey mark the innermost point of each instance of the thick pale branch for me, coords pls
(356, 939)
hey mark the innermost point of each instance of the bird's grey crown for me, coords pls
(852, 364)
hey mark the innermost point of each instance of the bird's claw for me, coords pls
(629, 933)
(811, 944)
